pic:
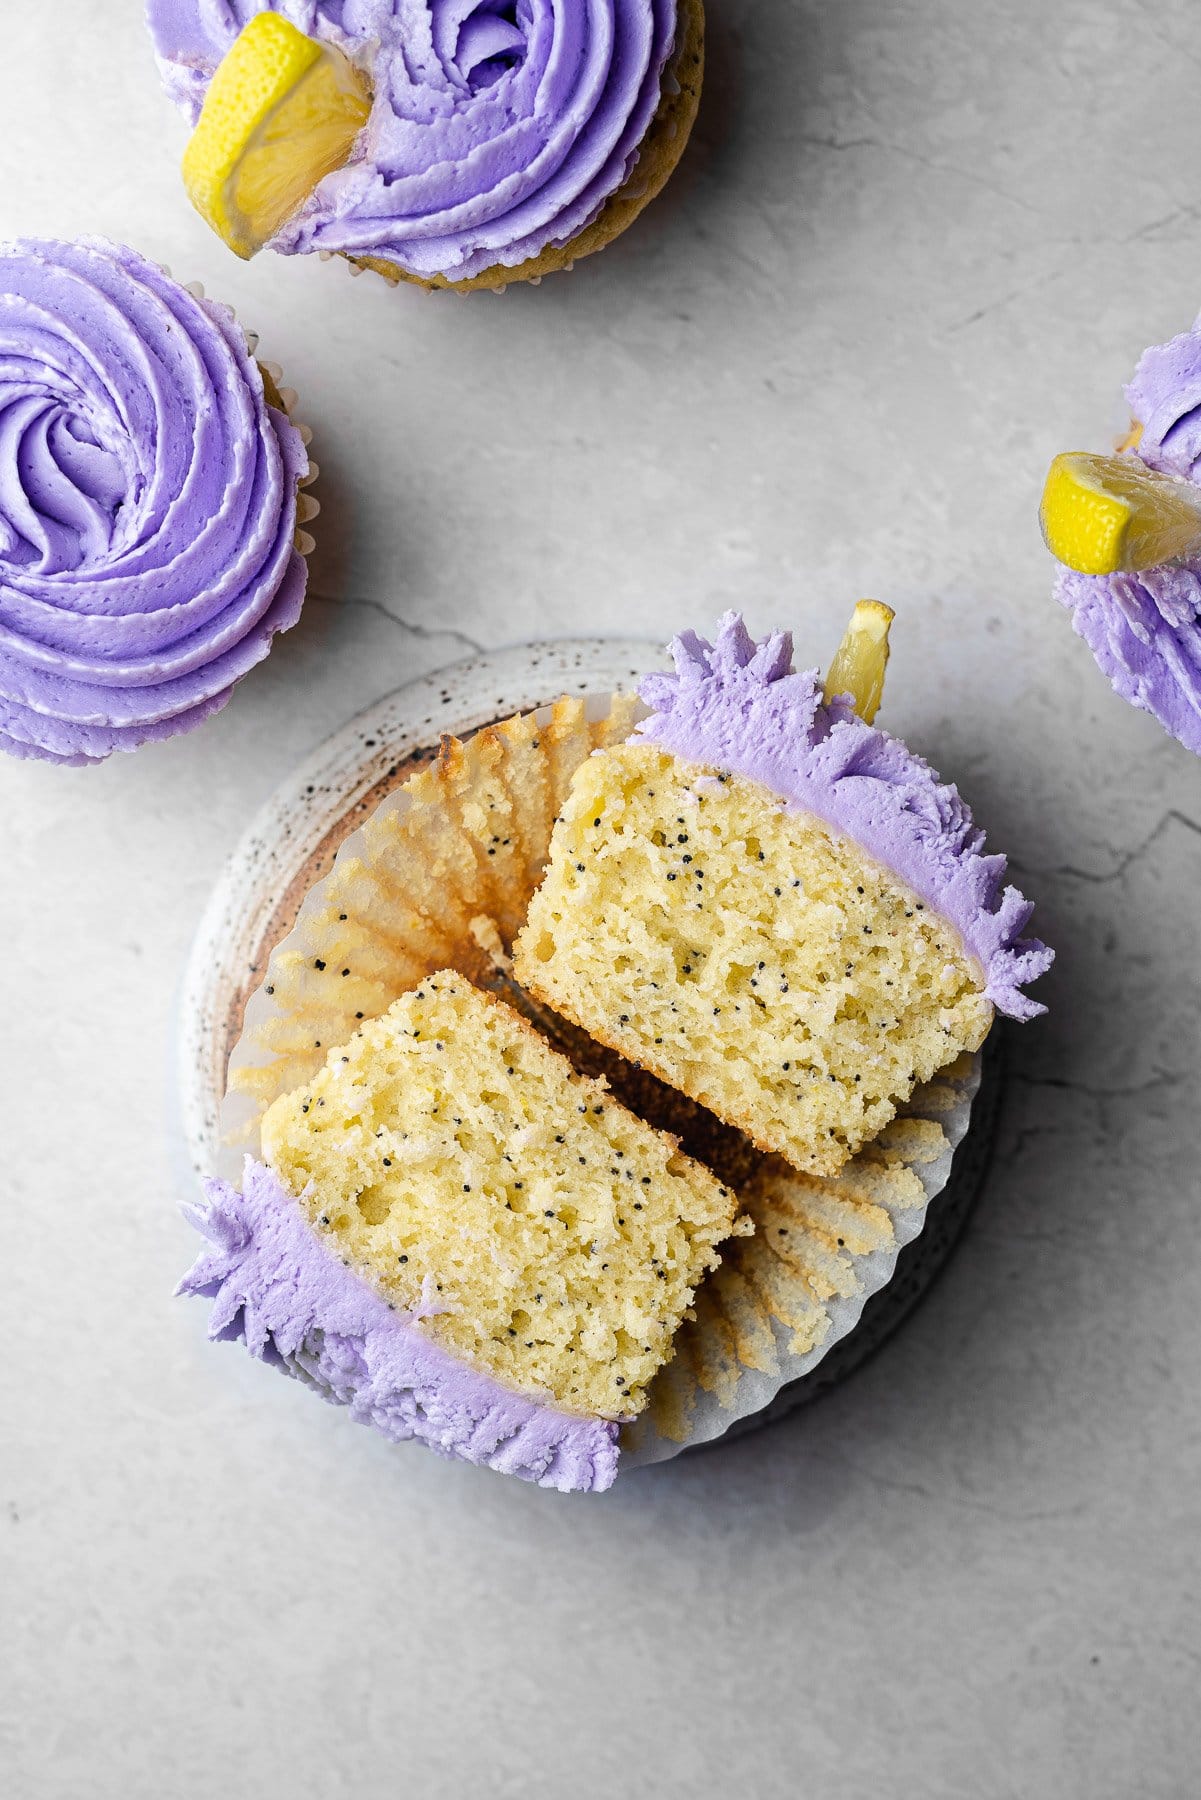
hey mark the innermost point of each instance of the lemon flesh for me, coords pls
(1104, 515)
(282, 111)
(861, 659)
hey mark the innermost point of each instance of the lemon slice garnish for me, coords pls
(861, 659)
(282, 111)
(1105, 514)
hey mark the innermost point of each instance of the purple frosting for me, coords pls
(276, 1286)
(1145, 629)
(497, 129)
(147, 504)
(738, 705)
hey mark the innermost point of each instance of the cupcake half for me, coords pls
(773, 906)
(464, 1241)
(455, 146)
(149, 479)
(1127, 529)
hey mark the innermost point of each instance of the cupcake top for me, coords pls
(1144, 627)
(289, 1298)
(738, 705)
(495, 131)
(147, 503)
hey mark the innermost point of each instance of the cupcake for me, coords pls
(464, 1241)
(475, 1224)
(460, 146)
(149, 478)
(1127, 529)
(773, 906)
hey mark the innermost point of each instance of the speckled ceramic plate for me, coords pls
(291, 846)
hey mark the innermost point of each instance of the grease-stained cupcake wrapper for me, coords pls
(465, 841)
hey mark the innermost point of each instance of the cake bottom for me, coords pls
(658, 154)
(279, 1289)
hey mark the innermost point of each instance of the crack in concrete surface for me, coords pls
(425, 632)
(1126, 860)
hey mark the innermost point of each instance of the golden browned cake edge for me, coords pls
(658, 155)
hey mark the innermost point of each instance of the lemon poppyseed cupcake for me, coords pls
(441, 1224)
(1127, 529)
(772, 905)
(475, 1225)
(464, 1241)
(149, 480)
(447, 144)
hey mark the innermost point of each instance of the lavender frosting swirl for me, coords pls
(1145, 629)
(292, 1302)
(738, 705)
(499, 127)
(147, 504)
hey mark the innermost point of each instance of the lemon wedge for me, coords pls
(281, 112)
(1105, 514)
(861, 658)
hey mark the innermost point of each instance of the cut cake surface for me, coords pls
(746, 954)
(522, 1217)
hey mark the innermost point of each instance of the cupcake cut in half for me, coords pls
(773, 906)
(464, 1241)
(473, 1223)
(1127, 529)
(447, 144)
(149, 504)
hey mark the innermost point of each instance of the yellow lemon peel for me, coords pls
(1104, 515)
(861, 658)
(282, 111)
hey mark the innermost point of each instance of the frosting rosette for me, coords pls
(1144, 628)
(148, 503)
(498, 128)
(737, 704)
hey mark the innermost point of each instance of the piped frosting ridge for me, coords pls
(1144, 629)
(736, 704)
(276, 1287)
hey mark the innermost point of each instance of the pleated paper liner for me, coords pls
(440, 874)
(783, 1299)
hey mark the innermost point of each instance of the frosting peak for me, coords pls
(496, 131)
(147, 503)
(738, 705)
(275, 1286)
(1144, 629)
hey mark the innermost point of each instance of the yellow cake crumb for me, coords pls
(746, 954)
(544, 1233)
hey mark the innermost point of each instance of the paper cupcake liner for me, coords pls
(662, 146)
(464, 840)
(783, 1299)
(440, 874)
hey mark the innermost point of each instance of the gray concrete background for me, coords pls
(915, 249)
